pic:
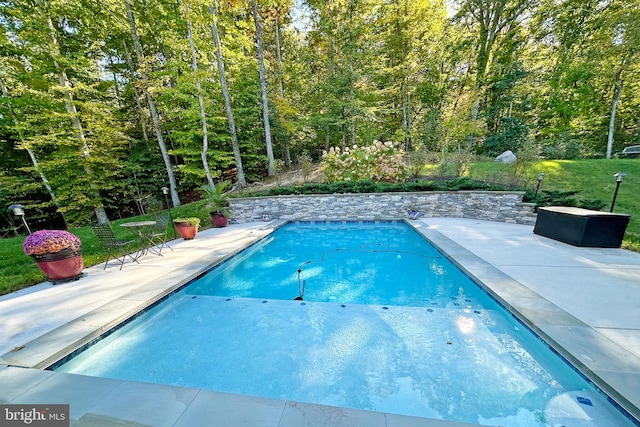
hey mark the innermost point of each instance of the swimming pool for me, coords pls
(438, 347)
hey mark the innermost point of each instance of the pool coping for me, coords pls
(542, 316)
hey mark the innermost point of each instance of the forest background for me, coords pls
(105, 102)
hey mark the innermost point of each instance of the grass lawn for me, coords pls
(592, 179)
(19, 270)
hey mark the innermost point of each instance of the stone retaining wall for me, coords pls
(487, 205)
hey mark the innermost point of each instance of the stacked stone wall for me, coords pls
(486, 205)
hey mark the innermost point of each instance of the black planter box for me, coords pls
(582, 227)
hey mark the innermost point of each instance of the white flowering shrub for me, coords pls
(380, 161)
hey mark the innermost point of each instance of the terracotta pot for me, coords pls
(61, 266)
(186, 230)
(219, 220)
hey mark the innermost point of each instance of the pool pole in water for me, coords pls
(300, 288)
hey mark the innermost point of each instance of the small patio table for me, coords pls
(143, 230)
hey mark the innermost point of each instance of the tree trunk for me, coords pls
(227, 101)
(327, 139)
(352, 95)
(263, 85)
(141, 113)
(617, 93)
(409, 120)
(70, 107)
(152, 107)
(203, 116)
(405, 118)
(287, 151)
(279, 58)
(116, 86)
(352, 101)
(330, 71)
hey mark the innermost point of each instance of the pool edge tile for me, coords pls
(17, 381)
(396, 420)
(146, 403)
(236, 410)
(298, 414)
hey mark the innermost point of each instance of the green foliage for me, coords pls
(279, 166)
(416, 161)
(18, 269)
(192, 221)
(368, 186)
(564, 148)
(512, 134)
(306, 165)
(564, 198)
(455, 163)
(538, 76)
(218, 198)
(378, 161)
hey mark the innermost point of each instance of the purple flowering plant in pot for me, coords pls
(58, 253)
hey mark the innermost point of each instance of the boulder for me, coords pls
(506, 157)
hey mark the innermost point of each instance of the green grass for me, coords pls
(19, 270)
(592, 179)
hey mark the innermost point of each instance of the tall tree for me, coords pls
(623, 42)
(132, 78)
(582, 57)
(227, 99)
(263, 87)
(25, 145)
(281, 98)
(70, 106)
(173, 187)
(493, 23)
(203, 115)
(66, 117)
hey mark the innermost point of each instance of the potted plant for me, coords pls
(58, 253)
(218, 203)
(187, 228)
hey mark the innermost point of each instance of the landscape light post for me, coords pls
(619, 177)
(165, 191)
(540, 178)
(18, 210)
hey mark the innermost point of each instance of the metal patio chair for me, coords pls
(112, 245)
(160, 233)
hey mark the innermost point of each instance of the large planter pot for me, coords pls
(61, 266)
(186, 230)
(219, 220)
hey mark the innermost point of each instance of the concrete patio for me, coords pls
(584, 301)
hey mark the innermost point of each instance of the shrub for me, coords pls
(368, 186)
(512, 134)
(279, 165)
(564, 198)
(377, 162)
(306, 165)
(416, 160)
(192, 221)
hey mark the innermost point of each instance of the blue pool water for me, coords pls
(386, 323)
